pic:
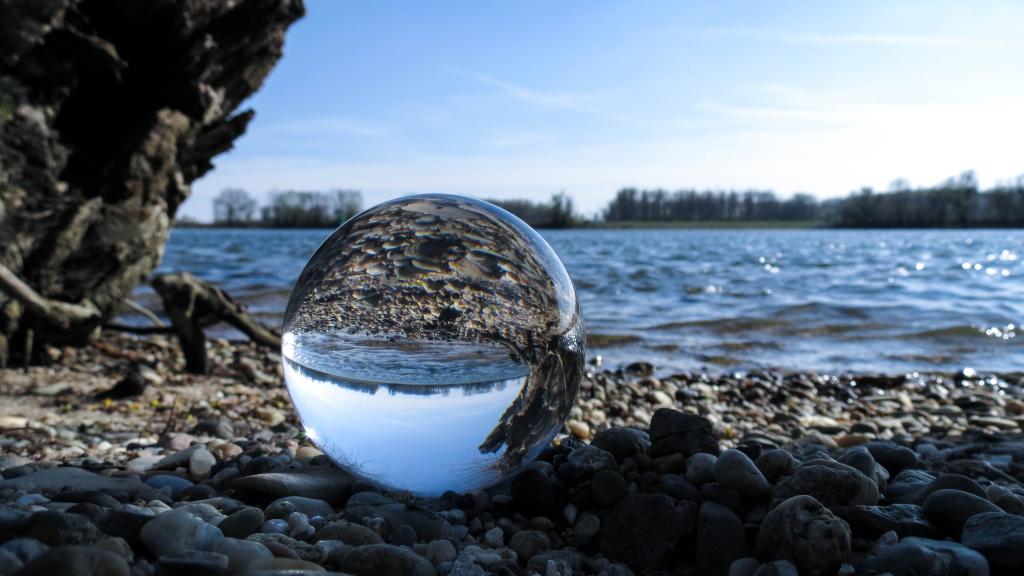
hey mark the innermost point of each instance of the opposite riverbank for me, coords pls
(116, 458)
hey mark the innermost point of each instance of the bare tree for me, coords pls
(234, 207)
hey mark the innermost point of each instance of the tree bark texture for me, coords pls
(109, 109)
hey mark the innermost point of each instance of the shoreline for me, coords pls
(694, 458)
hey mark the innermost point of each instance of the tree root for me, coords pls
(193, 305)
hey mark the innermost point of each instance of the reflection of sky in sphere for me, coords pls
(427, 443)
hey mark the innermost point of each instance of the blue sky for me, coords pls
(523, 99)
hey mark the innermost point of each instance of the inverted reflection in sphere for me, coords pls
(433, 343)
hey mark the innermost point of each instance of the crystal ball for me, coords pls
(433, 343)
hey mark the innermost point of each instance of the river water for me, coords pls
(889, 301)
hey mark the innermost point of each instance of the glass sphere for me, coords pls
(433, 343)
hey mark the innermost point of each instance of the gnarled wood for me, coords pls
(193, 305)
(109, 109)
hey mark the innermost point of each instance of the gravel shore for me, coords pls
(115, 461)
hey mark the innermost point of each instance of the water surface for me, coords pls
(840, 300)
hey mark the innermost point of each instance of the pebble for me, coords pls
(494, 537)
(51, 480)
(950, 509)
(201, 462)
(240, 553)
(275, 526)
(608, 487)
(318, 482)
(700, 468)
(622, 443)
(873, 521)
(194, 562)
(282, 507)
(829, 482)
(440, 551)
(56, 528)
(176, 484)
(643, 528)
(586, 528)
(242, 522)
(721, 539)
(734, 469)
(528, 543)
(76, 561)
(177, 531)
(775, 464)
(384, 559)
(673, 431)
(999, 537)
(582, 463)
(25, 549)
(914, 556)
(349, 533)
(802, 530)
(404, 535)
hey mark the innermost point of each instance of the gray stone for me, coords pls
(349, 533)
(440, 551)
(859, 458)
(26, 549)
(528, 543)
(777, 568)
(56, 528)
(642, 529)
(585, 529)
(177, 531)
(76, 561)
(320, 482)
(9, 563)
(175, 483)
(582, 463)
(201, 463)
(721, 539)
(465, 566)
(384, 560)
(893, 457)
(675, 432)
(404, 535)
(179, 459)
(948, 510)
(608, 487)
(873, 521)
(803, 531)
(775, 464)
(242, 523)
(999, 537)
(282, 507)
(700, 468)
(51, 480)
(240, 553)
(923, 557)
(622, 443)
(194, 562)
(735, 470)
(495, 537)
(828, 482)
(744, 567)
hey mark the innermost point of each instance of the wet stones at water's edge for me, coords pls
(759, 474)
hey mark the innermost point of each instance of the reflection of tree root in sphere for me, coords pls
(543, 401)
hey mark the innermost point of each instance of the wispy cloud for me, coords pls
(332, 125)
(866, 39)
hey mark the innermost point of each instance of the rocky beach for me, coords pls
(116, 461)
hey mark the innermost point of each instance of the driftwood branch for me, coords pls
(193, 305)
(53, 313)
(145, 312)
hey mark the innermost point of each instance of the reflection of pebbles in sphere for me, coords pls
(447, 300)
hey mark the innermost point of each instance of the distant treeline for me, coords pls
(235, 207)
(956, 202)
(556, 213)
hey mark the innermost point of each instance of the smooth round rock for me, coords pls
(643, 528)
(528, 543)
(950, 509)
(721, 539)
(384, 559)
(700, 468)
(998, 537)
(608, 487)
(177, 531)
(242, 523)
(735, 470)
(803, 531)
(76, 561)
